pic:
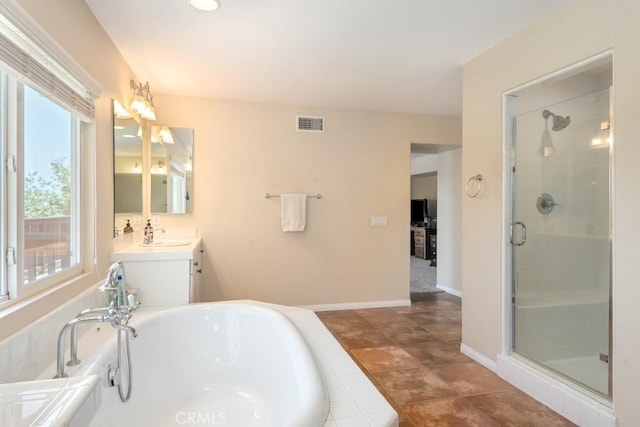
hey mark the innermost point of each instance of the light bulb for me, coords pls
(206, 5)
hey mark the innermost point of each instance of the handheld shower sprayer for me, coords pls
(114, 284)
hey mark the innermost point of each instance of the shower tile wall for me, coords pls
(562, 246)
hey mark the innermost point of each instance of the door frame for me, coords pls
(508, 331)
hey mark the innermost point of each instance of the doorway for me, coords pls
(424, 214)
(444, 207)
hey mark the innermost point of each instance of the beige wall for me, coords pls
(573, 33)
(360, 165)
(75, 29)
(426, 187)
(449, 220)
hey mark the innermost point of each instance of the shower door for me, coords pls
(560, 238)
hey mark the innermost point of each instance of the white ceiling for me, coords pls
(403, 55)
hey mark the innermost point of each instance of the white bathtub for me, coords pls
(225, 364)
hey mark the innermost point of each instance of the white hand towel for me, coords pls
(294, 211)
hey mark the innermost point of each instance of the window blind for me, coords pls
(48, 82)
(31, 55)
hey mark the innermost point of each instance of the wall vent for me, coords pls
(309, 124)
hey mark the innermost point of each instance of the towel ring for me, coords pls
(473, 186)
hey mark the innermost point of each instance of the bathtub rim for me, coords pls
(353, 397)
(315, 404)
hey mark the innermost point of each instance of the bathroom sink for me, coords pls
(166, 243)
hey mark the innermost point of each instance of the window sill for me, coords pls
(20, 312)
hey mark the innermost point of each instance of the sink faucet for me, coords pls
(117, 313)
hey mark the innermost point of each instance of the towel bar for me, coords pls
(315, 196)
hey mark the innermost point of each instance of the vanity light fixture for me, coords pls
(120, 111)
(161, 134)
(166, 137)
(142, 102)
(155, 137)
(206, 5)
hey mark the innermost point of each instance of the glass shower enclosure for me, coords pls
(559, 233)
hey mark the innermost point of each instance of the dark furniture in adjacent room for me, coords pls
(419, 212)
(423, 232)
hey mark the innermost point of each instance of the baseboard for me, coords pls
(449, 290)
(357, 305)
(478, 357)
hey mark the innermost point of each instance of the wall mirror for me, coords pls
(127, 162)
(171, 170)
(153, 169)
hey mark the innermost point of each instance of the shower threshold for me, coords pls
(589, 371)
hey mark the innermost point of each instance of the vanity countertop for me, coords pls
(168, 244)
(159, 250)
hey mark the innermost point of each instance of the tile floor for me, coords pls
(412, 355)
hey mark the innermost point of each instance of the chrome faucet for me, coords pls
(117, 313)
(73, 360)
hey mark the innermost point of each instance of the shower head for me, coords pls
(559, 122)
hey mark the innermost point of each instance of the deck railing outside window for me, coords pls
(47, 248)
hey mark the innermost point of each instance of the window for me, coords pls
(47, 147)
(41, 195)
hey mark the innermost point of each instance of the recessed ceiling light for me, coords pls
(206, 5)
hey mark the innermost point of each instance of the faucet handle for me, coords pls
(107, 287)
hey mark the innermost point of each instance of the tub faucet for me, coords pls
(72, 324)
(117, 313)
(73, 359)
(126, 328)
(115, 285)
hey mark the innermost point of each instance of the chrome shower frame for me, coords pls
(508, 129)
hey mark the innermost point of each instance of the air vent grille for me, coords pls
(310, 124)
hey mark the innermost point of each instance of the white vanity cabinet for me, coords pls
(163, 275)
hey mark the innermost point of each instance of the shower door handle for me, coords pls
(524, 233)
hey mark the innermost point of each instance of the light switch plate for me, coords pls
(136, 220)
(379, 221)
(155, 219)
